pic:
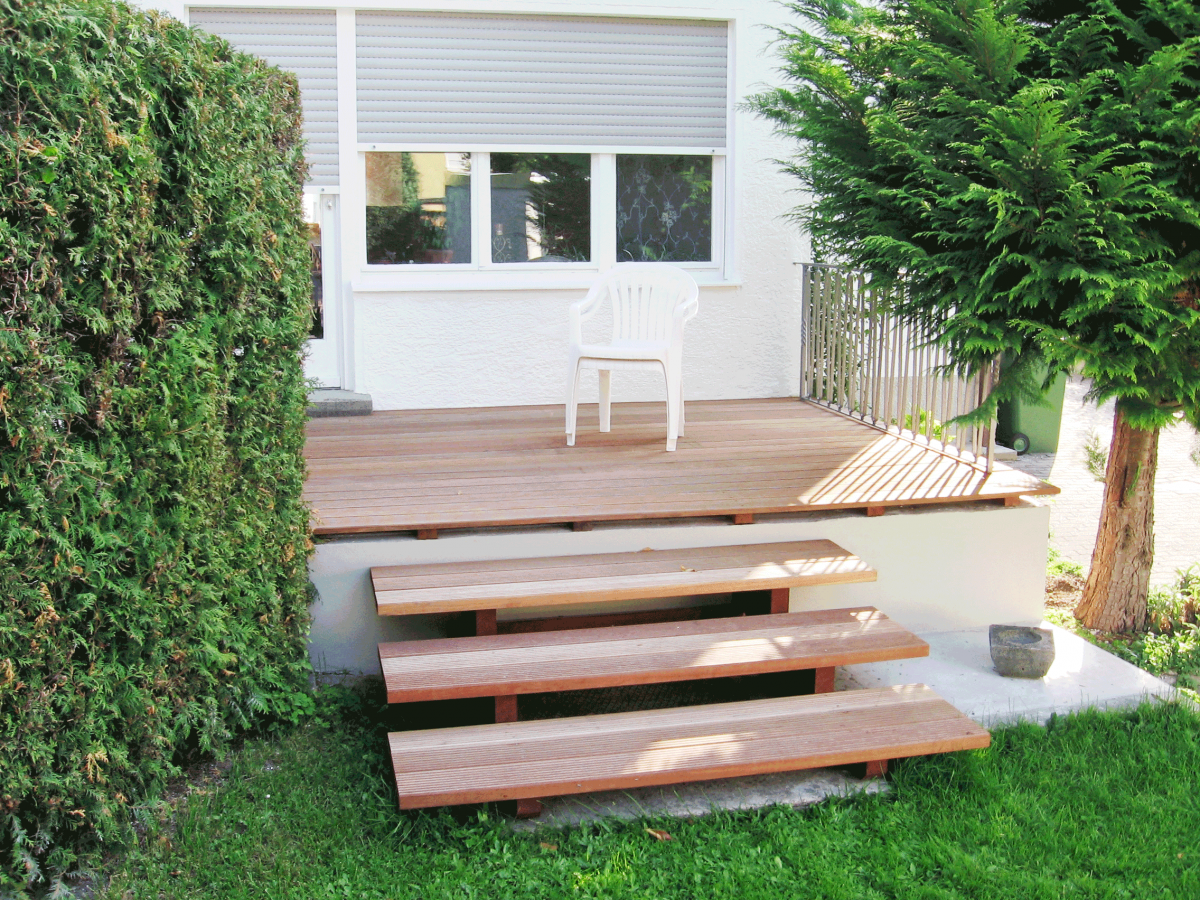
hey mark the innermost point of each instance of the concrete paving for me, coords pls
(1075, 513)
(959, 668)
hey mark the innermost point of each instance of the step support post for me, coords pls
(781, 599)
(485, 621)
(823, 680)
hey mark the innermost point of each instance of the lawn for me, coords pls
(1094, 805)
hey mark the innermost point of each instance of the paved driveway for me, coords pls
(1075, 513)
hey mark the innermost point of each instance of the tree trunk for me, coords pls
(1119, 580)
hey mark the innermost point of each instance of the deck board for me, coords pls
(460, 468)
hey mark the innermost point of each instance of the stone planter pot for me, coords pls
(1021, 651)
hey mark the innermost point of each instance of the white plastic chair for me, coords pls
(650, 302)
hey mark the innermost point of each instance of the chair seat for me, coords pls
(643, 353)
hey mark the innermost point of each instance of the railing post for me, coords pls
(806, 349)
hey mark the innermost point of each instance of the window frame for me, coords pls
(483, 273)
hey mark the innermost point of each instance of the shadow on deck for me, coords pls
(425, 470)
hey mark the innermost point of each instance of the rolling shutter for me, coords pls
(299, 41)
(449, 79)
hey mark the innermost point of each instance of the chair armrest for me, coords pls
(686, 310)
(583, 309)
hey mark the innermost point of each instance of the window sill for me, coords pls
(426, 282)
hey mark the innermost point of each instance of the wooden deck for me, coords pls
(424, 470)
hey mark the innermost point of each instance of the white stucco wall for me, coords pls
(453, 348)
(940, 569)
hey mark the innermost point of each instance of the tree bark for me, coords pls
(1119, 581)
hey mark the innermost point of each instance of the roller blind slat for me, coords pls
(300, 41)
(447, 78)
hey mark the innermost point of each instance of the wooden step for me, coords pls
(553, 757)
(515, 583)
(641, 654)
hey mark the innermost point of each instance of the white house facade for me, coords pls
(473, 168)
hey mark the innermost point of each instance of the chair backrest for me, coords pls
(644, 297)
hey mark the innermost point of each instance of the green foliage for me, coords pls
(1057, 564)
(925, 424)
(153, 305)
(1031, 169)
(1095, 457)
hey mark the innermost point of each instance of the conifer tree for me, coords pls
(1031, 170)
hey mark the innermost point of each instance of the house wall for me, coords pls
(940, 569)
(430, 342)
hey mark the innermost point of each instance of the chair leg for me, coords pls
(681, 406)
(673, 407)
(605, 399)
(572, 401)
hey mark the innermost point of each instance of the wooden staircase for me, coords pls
(523, 760)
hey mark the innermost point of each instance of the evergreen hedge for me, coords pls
(154, 298)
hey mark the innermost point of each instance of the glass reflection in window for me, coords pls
(418, 208)
(312, 220)
(541, 207)
(664, 208)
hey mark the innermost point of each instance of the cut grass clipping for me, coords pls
(1094, 805)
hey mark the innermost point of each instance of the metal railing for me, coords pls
(860, 360)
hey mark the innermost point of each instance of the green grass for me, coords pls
(1095, 805)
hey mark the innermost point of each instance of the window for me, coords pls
(541, 207)
(582, 141)
(664, 208)
(512, 208)
(418, 208)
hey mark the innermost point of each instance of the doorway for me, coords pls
(324, 358)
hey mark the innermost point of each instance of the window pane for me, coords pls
(541, 207)
(418, 208)
(664, 208)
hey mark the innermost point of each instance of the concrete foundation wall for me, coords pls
(940, 569)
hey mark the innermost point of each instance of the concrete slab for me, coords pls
(959, 668)
(333, 402)
(702, 797)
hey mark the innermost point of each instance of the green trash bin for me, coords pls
(1030, 428)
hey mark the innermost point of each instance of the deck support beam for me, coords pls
(873, 511)
(427, 534)
(876, 768)
(743, 518)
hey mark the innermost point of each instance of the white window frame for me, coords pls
(482, 272)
